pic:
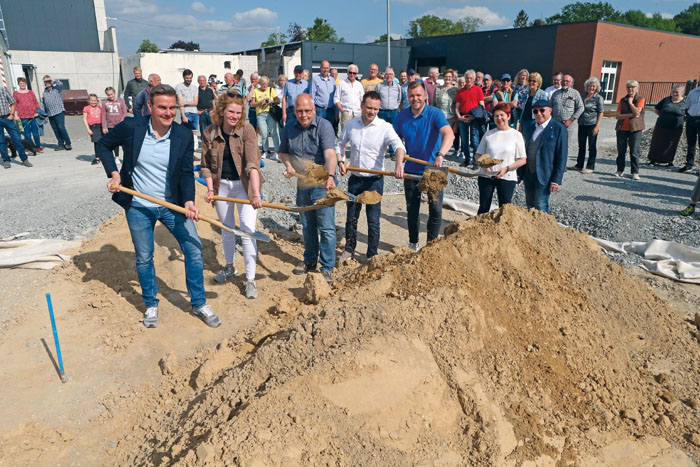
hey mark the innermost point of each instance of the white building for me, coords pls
(170, 64)
(68, 40)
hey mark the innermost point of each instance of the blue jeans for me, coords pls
(470, 134)
(327, 113)
(412, 195)
(389, 116)
(291, 116)
(357, 185)
(9, 125)
(504, 189)
(268, 127)
(31, 129)
(192, 120)
(142, 221)
(58, 125)
(204, 121)
(313, 222)
(252, 118)
(536, 194)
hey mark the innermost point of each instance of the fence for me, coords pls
(654, 91)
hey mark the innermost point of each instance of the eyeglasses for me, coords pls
(303, 111)
(538, 111)
(352, 72)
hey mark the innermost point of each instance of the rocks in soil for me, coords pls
(168, 364)
(316, 288)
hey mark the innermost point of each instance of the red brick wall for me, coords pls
(645, 55)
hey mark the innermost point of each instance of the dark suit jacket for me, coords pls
(551, 153)
(129, 134)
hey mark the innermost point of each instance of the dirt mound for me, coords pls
(369, 197)
(433, 182)
(485, 161)
(510, 341)
(333, 195)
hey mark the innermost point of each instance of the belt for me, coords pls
(4, 116)
(388, 110)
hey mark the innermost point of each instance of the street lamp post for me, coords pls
(388, 34)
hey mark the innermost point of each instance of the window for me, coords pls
(227, 64)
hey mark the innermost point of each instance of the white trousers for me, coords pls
(247, 215)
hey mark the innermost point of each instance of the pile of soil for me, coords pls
(485, 161)
(433, 182)
(333, 195)
(369, 197)
(511, 340)
(313, 175)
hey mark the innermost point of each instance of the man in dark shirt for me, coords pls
(133, 88)
(205, 103)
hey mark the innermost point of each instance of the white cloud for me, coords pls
(490, 18)
(130, 7)
(202, 8)
(663, 15)
(255, 17)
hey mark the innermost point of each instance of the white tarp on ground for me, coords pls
(33, 253)
(668, 259)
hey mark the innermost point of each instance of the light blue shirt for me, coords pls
(322, 90)
(292, 89)
(150, 174)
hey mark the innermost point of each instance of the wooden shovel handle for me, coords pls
(172, 206)
(450, 169)
(370, 171)
(245, 201)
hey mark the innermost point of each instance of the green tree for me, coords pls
(431, 25)
(688, 20)
(189, 46)
(656, 21)
(537, 22)
(296, 32)
(272, 40)
(147, 46)
(521, 20)
(585, 11)
(323, 32)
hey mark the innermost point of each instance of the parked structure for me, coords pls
(68, 40)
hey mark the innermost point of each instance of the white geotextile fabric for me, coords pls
(33, 253)
(667, 259)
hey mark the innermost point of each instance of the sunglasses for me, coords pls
(538, 111)
(506, 79)
(352, 72)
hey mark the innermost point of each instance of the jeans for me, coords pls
(470, 133)
(192, 121)
(632, 139)
(585, 133)
(357, 185)
(327, 113)
(290, 117)
(412, 195)
(9, 125)
(389, 116)
(58, 124)
(268, 128)
(504, 189)
(314, 222)
(692, 129)
(204, 121)
(31, 129)
(142, 221)
(252, 118)
(536, 194)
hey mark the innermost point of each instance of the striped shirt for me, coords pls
(693, 102)
(53, 99)
(6, 100)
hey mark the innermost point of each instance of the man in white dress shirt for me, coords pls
(369, 137)
(348, 97)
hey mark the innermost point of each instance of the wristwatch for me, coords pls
(439, 154)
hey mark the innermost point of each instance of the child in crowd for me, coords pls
(113, 112)
(92, 119)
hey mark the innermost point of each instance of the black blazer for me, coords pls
(130, 134)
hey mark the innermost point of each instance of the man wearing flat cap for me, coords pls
(546, 147)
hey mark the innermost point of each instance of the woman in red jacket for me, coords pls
(26, 105)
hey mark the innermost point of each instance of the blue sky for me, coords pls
(219, 27)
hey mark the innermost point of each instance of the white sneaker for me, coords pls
(414, 246)
(263, 155)
(208, 316)
(251, 290)
(618, 174)
(150, 318)
(635, 176)
(274, 156)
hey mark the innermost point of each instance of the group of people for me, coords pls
(347, 126)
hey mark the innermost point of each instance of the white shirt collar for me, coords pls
(544, 125)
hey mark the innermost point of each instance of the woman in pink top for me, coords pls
(113, 112)
(26, 105)
(92, 119)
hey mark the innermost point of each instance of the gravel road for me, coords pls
(63, 196)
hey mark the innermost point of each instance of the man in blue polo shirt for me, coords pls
(427, 136)
(292, 89)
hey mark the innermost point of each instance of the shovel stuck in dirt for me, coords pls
(255, 235)
(316, 175)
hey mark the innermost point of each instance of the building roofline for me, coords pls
(300, 43)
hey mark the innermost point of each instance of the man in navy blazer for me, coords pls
(158, 156)
(546, 146)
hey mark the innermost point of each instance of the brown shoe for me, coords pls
(587, 171)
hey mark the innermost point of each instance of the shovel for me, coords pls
(271, 205)
(382, 172)
(450, 169)
(255, 235)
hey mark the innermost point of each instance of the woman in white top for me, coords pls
(506, 143)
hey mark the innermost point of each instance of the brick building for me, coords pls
(612, 52)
